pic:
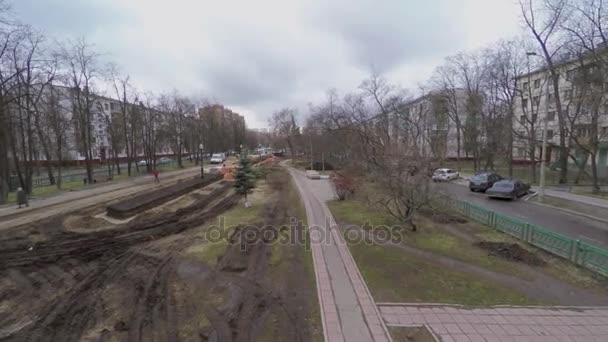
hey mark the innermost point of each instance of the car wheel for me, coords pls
(472, 190)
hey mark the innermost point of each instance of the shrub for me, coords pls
(344, 184)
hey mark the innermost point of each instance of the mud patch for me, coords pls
(511, 251)
(447, 218)
(85, 223)
(411, 334)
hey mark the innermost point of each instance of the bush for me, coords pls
(344, 184)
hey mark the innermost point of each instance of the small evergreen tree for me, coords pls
(244, 178)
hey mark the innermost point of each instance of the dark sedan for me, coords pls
(508, 188)
(483, 181)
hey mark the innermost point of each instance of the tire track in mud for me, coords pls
(248, 311)
(67, 317)
(146, 307)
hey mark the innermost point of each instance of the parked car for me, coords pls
(142, 163)
(508, 188)
(164, 160)
(445, 175)
(483, 181)
(217, 158)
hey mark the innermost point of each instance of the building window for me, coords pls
(568, 94)
(526, 85)
(604, 132)
(105, 105)
(551, 116)
(112, 106)
(536, 84)
(534, 117)
(521, 152)
(549, 134)
(536, 100)
(522, 118)
(524, 103)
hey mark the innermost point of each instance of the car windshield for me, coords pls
(479, 178)
(216, 156)
(439, 172)
(504, 185)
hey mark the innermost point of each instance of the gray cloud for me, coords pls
(69, 17)
(263, 55)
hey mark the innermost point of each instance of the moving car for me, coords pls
(508, 188)
(445, 175)
(217, 158)
(483, 181)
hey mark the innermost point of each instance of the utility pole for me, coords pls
(541, 194)
(311, 155)
(323, 160)
(202, 158)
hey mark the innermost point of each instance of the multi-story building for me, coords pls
(225, 129)
(429, 125)
(584, 101)
(104, 110)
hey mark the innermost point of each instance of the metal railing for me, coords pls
(98, 173)
(581, 253)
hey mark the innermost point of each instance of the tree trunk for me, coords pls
(60, 161)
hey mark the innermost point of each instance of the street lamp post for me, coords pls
(541, 193)
(201, 147)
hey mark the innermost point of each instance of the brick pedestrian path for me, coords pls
(348, 311)
(516, 324)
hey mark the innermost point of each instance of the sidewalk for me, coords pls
(588, 200)
(73, 200)
(348, 311)
(500, 323)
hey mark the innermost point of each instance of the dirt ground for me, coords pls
(62, 279)
(407, 334)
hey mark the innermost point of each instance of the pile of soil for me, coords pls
(447, 218)
(411, 334)
(103, 285)
(153, 198)
(511, 251)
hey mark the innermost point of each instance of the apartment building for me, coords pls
(582, 87)
(428, 124)
(104, 110)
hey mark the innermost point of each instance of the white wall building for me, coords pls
(428, 123)
(537, 102)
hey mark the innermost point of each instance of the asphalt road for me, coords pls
(574, 226)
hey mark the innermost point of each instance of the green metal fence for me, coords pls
(581, 253)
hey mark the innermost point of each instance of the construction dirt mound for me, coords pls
(511, 251)
(153, 198)
(447, 218)
(133, 282)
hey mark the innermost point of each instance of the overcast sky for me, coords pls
(257, 56)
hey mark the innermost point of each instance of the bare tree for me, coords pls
(286, 128)
(125, 93)
(544, 20)
(82, 71)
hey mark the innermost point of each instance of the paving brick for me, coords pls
(476, 338)
(461, 338)
(467, 328)
(439, 328)
(482, 329)
(453, 328)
